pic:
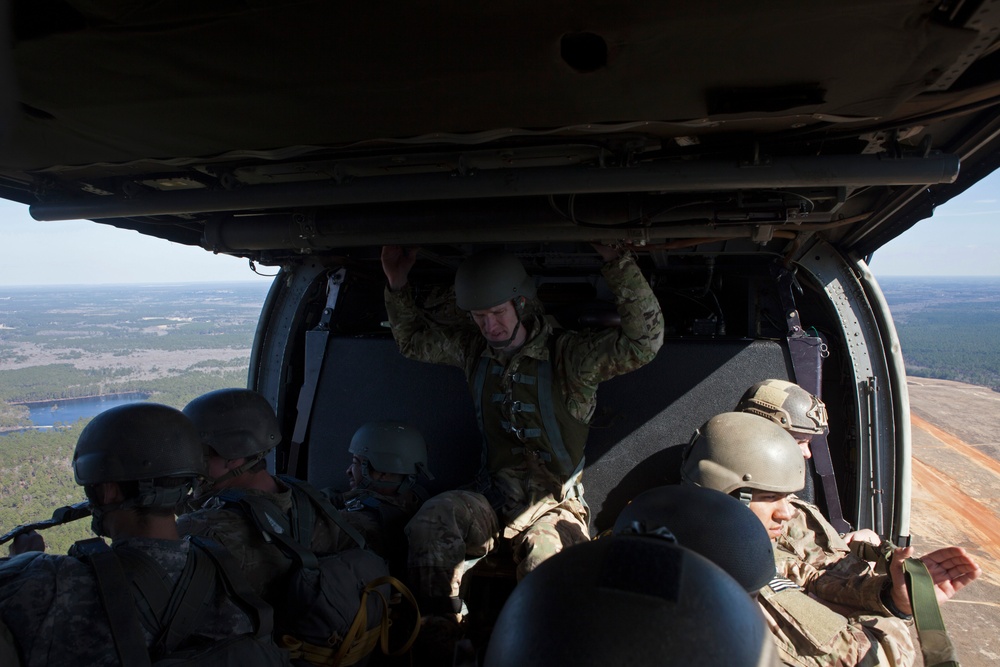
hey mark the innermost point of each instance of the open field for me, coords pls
(141, 364)
(956, 500)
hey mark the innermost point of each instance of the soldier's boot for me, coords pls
(441, 628)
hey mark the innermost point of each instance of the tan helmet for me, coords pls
(736, 450)
(786, 404)
(392, 447)
(489, 278)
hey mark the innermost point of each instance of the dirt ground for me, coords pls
(956, 500)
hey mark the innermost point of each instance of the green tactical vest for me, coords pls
(521, 409)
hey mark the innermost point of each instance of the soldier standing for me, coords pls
(136, 462)
(534, 392)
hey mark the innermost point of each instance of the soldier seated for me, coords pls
(386, 459)
(760, 463)
(812, 553)
(238, 429)
(98, 605)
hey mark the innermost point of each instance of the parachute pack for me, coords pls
(336, 607)
(141, 599)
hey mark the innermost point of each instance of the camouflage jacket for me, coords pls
(586, 359)
(809, 634)
(263, 563)
(811, 553)
(380, 518)
(580, 360)
(52, 606)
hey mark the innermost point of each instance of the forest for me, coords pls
(35, 472)
(171, 342)
(948, 327)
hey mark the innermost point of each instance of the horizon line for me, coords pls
(240, 281)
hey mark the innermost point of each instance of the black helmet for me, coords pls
(710, 523)
(144, 443)
(628, 600)
(138, 441)
(786, 404)
(489, 278)
(235, 423)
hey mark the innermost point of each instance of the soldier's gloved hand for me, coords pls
(25, 542)
(397, 261)
(607, 253)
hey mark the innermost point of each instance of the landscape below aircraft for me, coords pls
(753, 156)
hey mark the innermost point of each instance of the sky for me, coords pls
(961, 239)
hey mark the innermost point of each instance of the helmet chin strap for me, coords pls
(398, 488)
(519, 309)
(209, 484)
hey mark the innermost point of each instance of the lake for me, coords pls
(68, 411)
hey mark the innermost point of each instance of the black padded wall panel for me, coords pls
(642, 419)
(367, 379)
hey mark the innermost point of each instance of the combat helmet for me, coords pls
(786, 404)
(489, 278)
(235, 423)
(143, 443)
(629, 600)
(737, 451)
(710, 523)
(392, 447)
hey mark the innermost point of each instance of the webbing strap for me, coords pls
(316, 340)
(547, 408)
(359, 641)
(478, 384)
(303, 518)
(521, 433)
(572, 488)
(936, 646)
(114, 589)
(188, 603)
(513, 406)
(272, 523)
(238, 586)
(806, 353)
(150, 581)
(325, 506)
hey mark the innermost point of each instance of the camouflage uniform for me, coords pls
(809, 634)
(380, 519)
(52, 606)
(263, 563)
(530, 472)
(812, 554)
